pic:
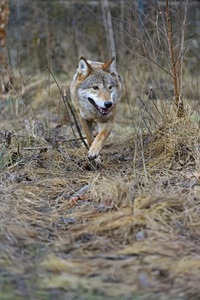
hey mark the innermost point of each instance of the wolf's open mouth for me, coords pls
(101, 111)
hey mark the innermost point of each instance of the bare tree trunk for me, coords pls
(178, 101)
(108, 28)
(5, 76)
(181, 50)
(121, 27)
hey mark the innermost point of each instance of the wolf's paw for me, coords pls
(92, 154)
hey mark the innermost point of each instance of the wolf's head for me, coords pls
(99, 84)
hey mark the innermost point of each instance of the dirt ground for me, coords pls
(123, 228)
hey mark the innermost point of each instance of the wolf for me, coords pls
(95, 90)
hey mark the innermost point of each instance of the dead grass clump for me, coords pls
(173, 145)
(112, 192)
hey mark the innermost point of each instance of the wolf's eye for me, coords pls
(95, 87)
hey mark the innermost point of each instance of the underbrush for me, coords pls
(128, 226)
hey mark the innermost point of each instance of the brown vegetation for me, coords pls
(126, 227)
(120, 229)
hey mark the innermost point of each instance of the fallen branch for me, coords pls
(35, 148)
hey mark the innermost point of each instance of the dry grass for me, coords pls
(134, 233)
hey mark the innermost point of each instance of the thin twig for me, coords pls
(35, 148)
(158, 8)
(160, 66)
(146, 109)
(146, 16)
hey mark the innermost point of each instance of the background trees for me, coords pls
(58, 33)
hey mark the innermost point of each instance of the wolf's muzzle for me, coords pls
(102, 111)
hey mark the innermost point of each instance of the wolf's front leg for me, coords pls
(104, 131)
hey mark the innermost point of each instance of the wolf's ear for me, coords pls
(107, 65)
(84, 67)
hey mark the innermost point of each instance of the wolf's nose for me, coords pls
(108, 104)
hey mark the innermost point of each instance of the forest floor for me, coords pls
(125, 228)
